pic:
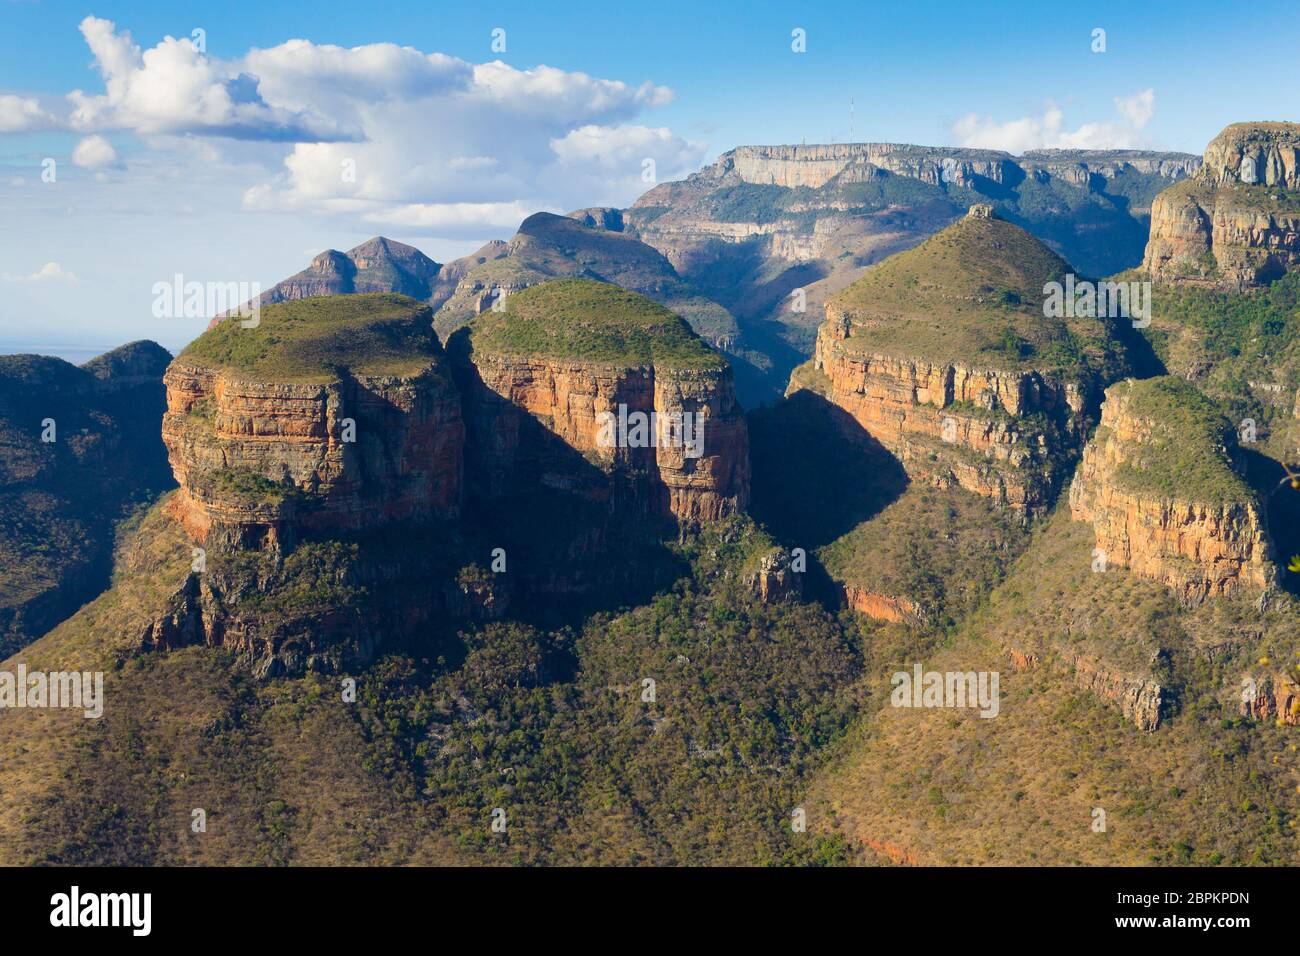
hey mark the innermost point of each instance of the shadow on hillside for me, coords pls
(757, 386)
(1142, 357)
(817, 473)
(577, 538)
(1282, 506)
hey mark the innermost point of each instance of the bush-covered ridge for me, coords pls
(973, 292)
(310, 340)
(591, 321)
(1186, 457)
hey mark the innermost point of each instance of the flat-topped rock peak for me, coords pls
(1236, 224)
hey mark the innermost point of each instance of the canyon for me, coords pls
(404, 479)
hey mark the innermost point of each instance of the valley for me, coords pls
(373, 582)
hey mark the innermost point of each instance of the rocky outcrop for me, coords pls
(1198, 530)
(600, 217)
(934, 418)
(377, 265)
(1139, 698)
(882, 607)
(840, 212)
(815, 166)
(1237, 222)
(257, 459)
(589, 243)
(1276, 698)
(567, 396)
(261, 456)
(544, 415)
(1004, 430)
(773, 578)
(1265, 154)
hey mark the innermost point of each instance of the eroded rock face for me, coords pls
(774, 578)
(680, 234)
(937, 418)
(565, 397)
(257, 460)
(1276, 698)
(1137, 697)
(1199, 548)
(816, 165)
(1237, 222)
(882, 607)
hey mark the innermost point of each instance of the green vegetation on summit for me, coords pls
(1185, 455)
(594, 322)
(309, 340)
(972, 293)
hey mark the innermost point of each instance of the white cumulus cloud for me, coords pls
(174, 88)
(93, 152)
(440, 138)
(20, 114)
(1049, 131)
(50, 272)
(387, 134)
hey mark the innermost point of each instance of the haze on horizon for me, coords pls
(220, 154)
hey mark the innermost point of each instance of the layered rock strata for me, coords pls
(261, 454)
(530, 412)
(917, 370)
(1236, 223)
(1197, 529)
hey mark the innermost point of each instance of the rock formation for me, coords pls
(773, 578)
(588, 243)
(1236, 223)
(1137, 697)
(1158, 484)
(873, 199)
(1276, 698)
(569, 352)
(815, 166)
(332, 414)
(882, 607)
(914, 352)
(377, 265)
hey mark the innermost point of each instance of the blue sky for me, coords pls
(221, 163)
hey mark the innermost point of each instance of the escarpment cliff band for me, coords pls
(690, 461)
(1157, 484)
(814, 166)
(943, 355)
(265, 442)
(836, 208)
(1236, 223)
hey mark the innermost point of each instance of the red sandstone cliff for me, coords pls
(1199, 532)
